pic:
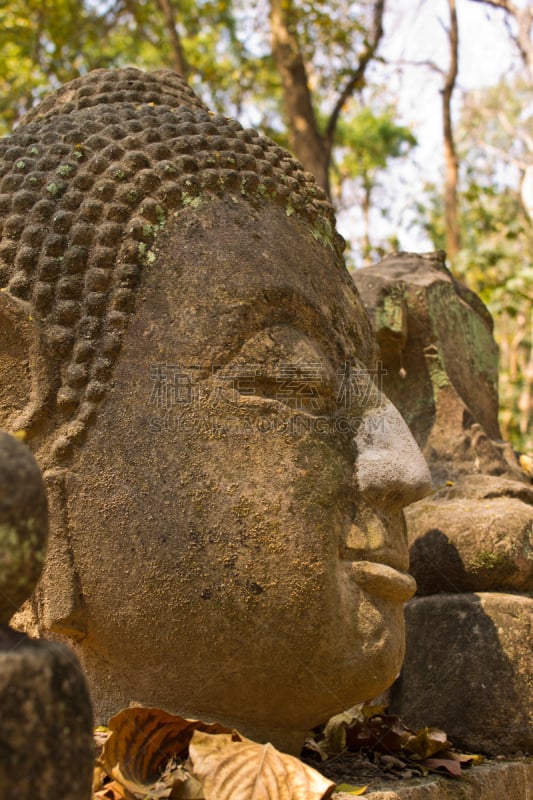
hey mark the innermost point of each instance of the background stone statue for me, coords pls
(46, 745)
(191, 367)
(468, 664)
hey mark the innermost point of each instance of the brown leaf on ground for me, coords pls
(383, 733)
(443, 765)
(112, 791)
(383, 737)
(142, 743)
(426, 742)
(463, 758)
(334, 740)
(246, 770)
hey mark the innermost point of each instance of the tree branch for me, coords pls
(180, 64)
(505, 4)
(524, 22)
(501, 154)
(304, 135)
(453, 242)
(405, 62)
(356, 80)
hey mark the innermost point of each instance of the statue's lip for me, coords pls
(384, 581)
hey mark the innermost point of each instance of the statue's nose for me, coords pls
(391, 470)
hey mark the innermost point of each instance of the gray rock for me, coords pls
(440, 364)
(23, 525)
(467, 670)
(476, 535)
(489, 781)
(46, 746)
(468, 662)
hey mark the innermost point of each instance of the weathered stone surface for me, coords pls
(23, 525)
(467, 670)
(46, 746)
(104, 88)
(473, 536)
(468, 665)
(510, 780)
(440, 358)
(225, 481)
(441, 361)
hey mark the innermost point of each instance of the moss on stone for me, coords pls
(487, 560)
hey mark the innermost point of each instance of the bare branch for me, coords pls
(403, 62)
(523, 18)
(515, 133)
(505, 4)
(501, 154)
(453, 242)
(356, 80)
(180, 65)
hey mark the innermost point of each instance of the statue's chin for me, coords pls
(256, 686)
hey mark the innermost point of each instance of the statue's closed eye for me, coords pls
(282, 366)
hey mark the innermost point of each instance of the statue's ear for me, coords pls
(17, 334)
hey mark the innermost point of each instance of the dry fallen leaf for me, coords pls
(426, 742)
(246, 770)
(334, 740)
(449, 765)
(112, 791)
(141, 744)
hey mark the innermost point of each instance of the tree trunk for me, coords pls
(304, 137)
(180, 64)
(311, 147)
(356, 80)
(367, 246)
(453, 238)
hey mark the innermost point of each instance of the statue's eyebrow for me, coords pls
(292, 306)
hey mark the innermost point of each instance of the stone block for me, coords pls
(476, 535)
(46, 746)
(468, 670)
(511, 780)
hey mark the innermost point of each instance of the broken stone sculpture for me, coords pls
(46, 746)
(468, 663)
(191, 368)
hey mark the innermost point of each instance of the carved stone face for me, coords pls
(238, 528)
(441, 358)
(237, 546)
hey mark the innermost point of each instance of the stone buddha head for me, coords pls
(190, 362)
(438, 348)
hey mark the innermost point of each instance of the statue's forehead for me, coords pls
(242, 269)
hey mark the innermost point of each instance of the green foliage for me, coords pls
(367, 141)
(497, 236)
(40, 46)
(44, 43)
